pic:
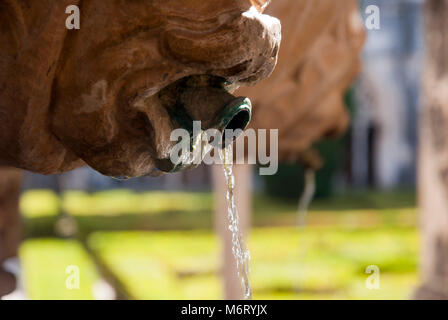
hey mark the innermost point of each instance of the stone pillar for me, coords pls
(243, 194)
(433, 156)
(9, 223)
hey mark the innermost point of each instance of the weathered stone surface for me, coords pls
(319, 57)
(70, 97)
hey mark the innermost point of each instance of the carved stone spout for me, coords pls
(108, 94)
(197, 98)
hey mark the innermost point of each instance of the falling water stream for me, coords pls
(240, 253)
(306, 197)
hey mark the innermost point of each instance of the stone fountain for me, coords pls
(109, 94)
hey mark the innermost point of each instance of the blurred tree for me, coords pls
(10, 226)
(433, 168)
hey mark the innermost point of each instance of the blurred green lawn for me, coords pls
(325, 260)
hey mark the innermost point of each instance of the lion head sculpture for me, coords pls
(110, 93)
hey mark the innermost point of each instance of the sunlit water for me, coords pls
(240, 253)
